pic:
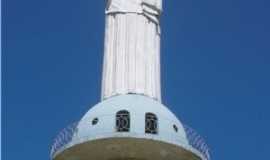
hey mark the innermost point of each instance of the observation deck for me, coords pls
(129, 127)
(64, 138)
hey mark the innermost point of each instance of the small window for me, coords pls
(122, 121)
(175, 128)
(151, 123)
(94, 121)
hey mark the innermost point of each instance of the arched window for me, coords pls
(122, 121)
(151, 123)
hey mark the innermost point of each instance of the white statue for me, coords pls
(150, 8)
(132, 48)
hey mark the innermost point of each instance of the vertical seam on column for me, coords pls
(149, 57)
(146, 62)
(135, 55)
(126, 53)
(159, 68)
(156, 62)
(119, 56)
(123, 48)
(132, 53)
(118, 53)
(105, 56)
(109, 76)
(114, 57)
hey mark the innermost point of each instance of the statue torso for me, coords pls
(134, 6)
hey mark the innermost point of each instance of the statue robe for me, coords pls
(132, 48)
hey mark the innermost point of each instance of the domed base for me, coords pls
(125, 149)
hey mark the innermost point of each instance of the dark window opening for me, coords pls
(122, 121)
(94, 121)
(175, 128)
(151, 123)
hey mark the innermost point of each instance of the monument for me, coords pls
(130, 122)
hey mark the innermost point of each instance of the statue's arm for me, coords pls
(150, 8)
(132, 6)
(155, 4)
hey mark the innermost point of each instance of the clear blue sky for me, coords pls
(215, 71)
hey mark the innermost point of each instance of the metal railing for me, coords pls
(197, 142)
(194, 139)
(63, 138)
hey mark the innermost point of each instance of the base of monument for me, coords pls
(126, 149)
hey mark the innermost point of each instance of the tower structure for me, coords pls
(130, 122)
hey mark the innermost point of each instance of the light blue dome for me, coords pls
(98, 126)
(137, 106)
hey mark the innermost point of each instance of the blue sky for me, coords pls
(215, 71)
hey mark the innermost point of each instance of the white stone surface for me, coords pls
(132, 48)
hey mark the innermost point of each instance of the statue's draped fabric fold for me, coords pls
(132, 48)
